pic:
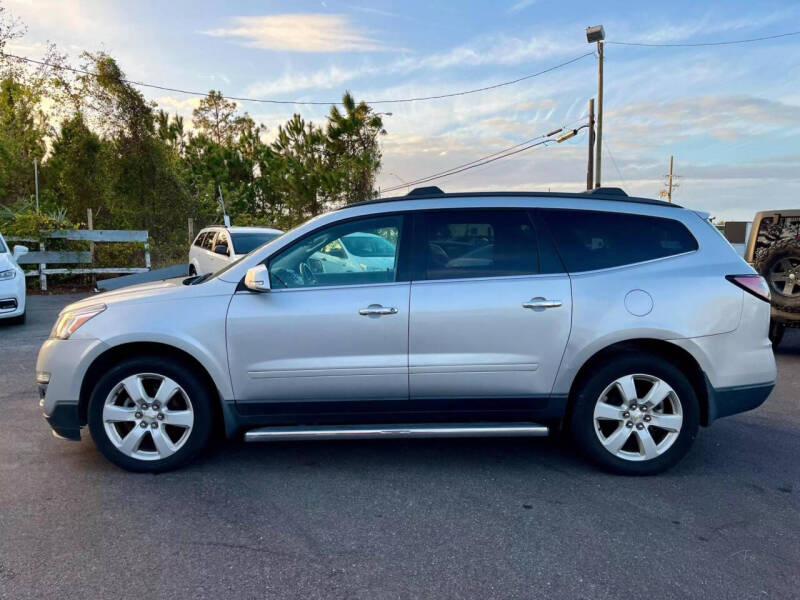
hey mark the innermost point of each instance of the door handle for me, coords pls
(540, 303)
(377, 309)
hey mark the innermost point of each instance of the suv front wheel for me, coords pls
(635, 415)
(150, 414)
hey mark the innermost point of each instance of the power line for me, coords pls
(302, 102)
(484, 160)
(621, 178)
(696, 44)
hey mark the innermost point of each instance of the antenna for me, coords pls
(226, 220)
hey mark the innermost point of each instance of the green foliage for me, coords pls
(25, 222)
(137, 167)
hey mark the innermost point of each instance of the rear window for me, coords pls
(590, 240)
(244, 243)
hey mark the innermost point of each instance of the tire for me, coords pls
(599, 425)
(780, 262)
(192, 271)
(776, 331)
(164, 442)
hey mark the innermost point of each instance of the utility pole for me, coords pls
(590, 166)
(36, 182)
(669, 188)
(671, 185)
(597, 34)
(598, 163)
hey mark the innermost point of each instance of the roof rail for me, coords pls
(431, 190)
(607, 191)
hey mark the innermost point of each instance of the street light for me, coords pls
(597, 34)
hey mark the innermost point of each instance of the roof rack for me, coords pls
(602, 193)
(607, 191)
(431, 190)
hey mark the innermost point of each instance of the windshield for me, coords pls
(246, 242)
(3, 248)
(368, 245)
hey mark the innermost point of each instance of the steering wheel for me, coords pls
(307, 273)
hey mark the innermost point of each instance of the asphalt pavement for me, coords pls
(492, 518)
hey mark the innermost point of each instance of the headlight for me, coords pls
(70, 321)
(9, 274)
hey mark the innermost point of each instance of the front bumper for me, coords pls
(12, 303)
(723, 402)
(60, 370)
(65, 421)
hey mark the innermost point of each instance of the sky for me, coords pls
(729, 114)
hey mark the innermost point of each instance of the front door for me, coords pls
(323, 336)
(485, 323)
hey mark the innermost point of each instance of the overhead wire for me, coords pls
(485, 160)
(697, 44)
(303, 102)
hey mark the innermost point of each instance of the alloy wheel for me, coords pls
(148, 416)
(638, 417)
(784, 277)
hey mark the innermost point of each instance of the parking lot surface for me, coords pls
(492, 518)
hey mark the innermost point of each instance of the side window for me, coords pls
(335, 249)
(199, 240)
(307, 263)
(208, 242)
(479, 243)
(589, 240)
(222, 240)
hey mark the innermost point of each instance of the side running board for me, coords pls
(415, 430)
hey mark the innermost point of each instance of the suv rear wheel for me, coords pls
(635, 415)
(150, 414)
(780, 266)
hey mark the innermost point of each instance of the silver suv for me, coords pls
(627, 322)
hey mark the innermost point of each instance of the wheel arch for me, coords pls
(675, 354)
(115, 354)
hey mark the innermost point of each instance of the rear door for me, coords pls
(487, 320)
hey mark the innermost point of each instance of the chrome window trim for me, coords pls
(328, 287)
(635, 264)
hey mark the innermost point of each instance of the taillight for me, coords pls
(755, 284)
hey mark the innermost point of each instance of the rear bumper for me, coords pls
(723, 402)
(65, 421)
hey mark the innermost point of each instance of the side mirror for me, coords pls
(221, 249)
(257, 279)
(19, 251)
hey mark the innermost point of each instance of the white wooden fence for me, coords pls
(44, 257)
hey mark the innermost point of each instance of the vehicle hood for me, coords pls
(142, 292)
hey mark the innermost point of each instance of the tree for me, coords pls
(353, 152)
(23, 128)
(75, 175)
(216, 117)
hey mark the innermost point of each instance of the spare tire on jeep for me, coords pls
(780, 266)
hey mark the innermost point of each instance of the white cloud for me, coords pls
(521, 5)
(292, 82)
(298, 33)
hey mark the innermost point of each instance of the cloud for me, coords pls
(298, 33)
(521, 5)
(701, 29)
(324, 79)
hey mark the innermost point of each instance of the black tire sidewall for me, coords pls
(589, 390)
(199, 395)
(779, 251)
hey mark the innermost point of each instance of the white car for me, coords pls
(12, 284)
(353, 253)
(215, 247)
